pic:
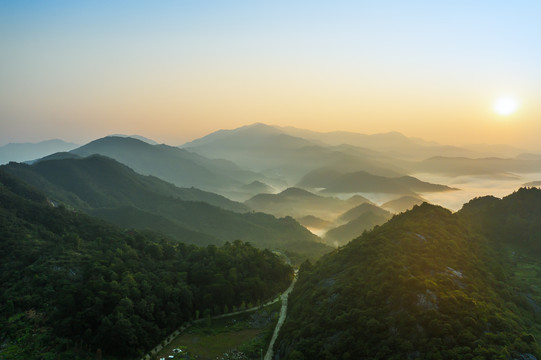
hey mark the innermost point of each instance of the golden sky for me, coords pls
(175, 71)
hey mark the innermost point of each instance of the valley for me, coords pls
(218, 223)
(278, 180)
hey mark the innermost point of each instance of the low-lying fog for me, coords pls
(469, 187)
(473, 186)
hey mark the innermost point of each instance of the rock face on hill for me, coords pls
(427, 284)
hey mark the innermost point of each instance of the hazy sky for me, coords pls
(176, 70)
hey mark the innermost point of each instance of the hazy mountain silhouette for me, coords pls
(138, 137)
(269, 150)
(361, 181)
(362, 209)
(311, 221)
(110, 190)
(178, 166)
(402, 203)
(342, 234)
(20, 152)
(298, 203)
(392, 143)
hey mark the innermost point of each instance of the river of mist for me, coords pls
(473, 186)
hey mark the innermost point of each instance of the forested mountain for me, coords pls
(107, 189)
(362, 209)
(403, 203)
(178, 166)
(112, 184)
(342, 234)
(362, 181)
(74, 287)
(298, 203)
(428, 284)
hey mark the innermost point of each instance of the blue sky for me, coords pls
(180, 69)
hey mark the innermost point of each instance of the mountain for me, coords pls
(342, 234)
(178, 166)
(247, 191)
(362, 209)
(362, 181)
(297, 202)
(138, 137)
(113, 184)
(75, 287)
(20, 152)
(257, 187)
(105, 188)
(393, 143)
(313, 222)
(270, 150)
(402, 203)
(427, 284)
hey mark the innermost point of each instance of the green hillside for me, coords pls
(74, 287)
(362, 209)
(175, 165)
(299, 202)
(105, 188)
(428, 284)
(342, 234)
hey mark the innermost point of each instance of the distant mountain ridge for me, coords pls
(178, 166)
(138, 137)
(298, 202)
(20, 152)
(105, 188)
(362, 181)
(269, 150)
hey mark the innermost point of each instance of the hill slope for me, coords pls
(428, 284)
(178, 166)
(342, 234)
(298, 203)
(362, 181)
(110, 190)
(273, 151)
(74, 287)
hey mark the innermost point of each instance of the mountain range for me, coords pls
(102, 187)
(178, 166)
(298, 202)
(20, 152)
(75, 287)
(114, 244)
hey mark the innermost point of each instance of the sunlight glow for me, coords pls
(505, 105)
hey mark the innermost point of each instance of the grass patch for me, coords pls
(249, 333)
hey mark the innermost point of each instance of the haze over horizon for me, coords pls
(174, 72)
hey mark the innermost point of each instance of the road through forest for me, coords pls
(281, 319)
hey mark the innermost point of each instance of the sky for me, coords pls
(178, 70)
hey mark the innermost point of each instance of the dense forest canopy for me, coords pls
(428, 284)
(105, 188)
(72, 284)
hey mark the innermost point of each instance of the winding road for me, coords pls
(281, 319)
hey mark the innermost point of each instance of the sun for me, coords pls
(505, 105)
